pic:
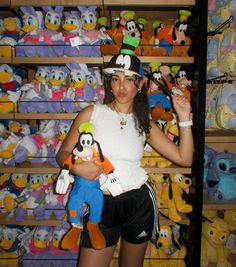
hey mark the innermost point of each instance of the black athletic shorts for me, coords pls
(129, 215)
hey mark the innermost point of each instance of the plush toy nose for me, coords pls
(159, 244)
(182, 42)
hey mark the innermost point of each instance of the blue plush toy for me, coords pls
(221, 177)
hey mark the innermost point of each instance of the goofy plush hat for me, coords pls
(126, 61)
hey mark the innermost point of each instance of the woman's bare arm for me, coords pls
(88, 169)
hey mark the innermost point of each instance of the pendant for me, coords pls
(123, 122)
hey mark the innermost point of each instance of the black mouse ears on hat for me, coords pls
(126, 61)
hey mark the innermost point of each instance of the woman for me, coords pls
(122, 127)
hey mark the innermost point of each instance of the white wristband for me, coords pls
(185, 123)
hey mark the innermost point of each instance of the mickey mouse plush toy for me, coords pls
(86, 191)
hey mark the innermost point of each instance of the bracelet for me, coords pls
(185, 123)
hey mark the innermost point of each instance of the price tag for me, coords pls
(75, 41)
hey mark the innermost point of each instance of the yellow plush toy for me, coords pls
(170, 252)
(172, 196)
(214, 248)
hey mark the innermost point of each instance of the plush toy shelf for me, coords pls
(181, 3)
(167, 60)
(56, 2)
(44, 116)
(5, 3)
(47, 168)
(56, 60)
(223, 136)
(30, 221)
(225, 205)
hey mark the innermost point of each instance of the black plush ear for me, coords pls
(170, 191)
(205, 219)
(99, 151)
(173, 32)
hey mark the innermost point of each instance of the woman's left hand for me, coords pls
(182, 107)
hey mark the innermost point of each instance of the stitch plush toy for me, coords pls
(172, 196)
(222, 177)
(172, 37)
(215, 234)
(85, 190)
(32, 25)
(209, 155)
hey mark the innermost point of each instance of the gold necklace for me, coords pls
(123, 118)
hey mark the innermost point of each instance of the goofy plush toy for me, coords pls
(84, 191)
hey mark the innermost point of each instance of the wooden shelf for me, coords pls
(5, 3)
(171, 169)
(56, 2)
(167, 60)
(30, 221)
(45, 116)
(6, 116)
(26, 167)
(210, 205)
(5, 60)
(56, 60)
(165, 3)
(221, 136)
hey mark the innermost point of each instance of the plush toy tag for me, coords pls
(171, 250)
(230, 242)
(21, 199)
(75, 41)
(148, 148)
(40, 198)
(21, 250)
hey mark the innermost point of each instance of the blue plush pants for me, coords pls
(85, 191)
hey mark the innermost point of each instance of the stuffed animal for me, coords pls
(72, 26)
(169, 250)
(11, 29)
(181, 80)
(51, 40)
(172, 196)
(90, 35)
(212, 94)
(218, 12)
(212, 57)
(33, 98)
(221, 177)
(94, 80)
(56, 90)
(79, 93)
(172, 37)
(159, 103)
(10, 92)
(226, 107)
(32, 26)
(84, 190)
(10, 243)
(226, 52)
(215, 234)
(209, 155)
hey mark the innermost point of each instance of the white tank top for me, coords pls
(123, 147)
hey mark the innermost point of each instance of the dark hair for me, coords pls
(140, 108)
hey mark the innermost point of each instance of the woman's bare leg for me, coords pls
(89, 257)
(132, 255)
